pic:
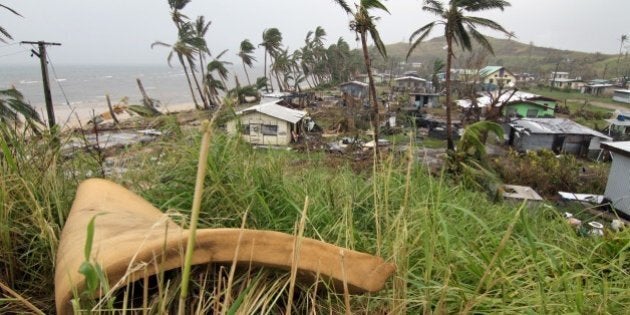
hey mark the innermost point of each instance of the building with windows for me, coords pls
(267, 124)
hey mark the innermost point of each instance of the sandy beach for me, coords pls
(72, 117)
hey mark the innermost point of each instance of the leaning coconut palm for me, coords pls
(272, 41)
(219, 67)
(3, 32)
(12, 106)
(189, 35)
(201, 28)
(176, 6)
(364, 24)
(459, 29)
(246, 53)
(182, 51)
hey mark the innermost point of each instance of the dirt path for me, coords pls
(612, 106)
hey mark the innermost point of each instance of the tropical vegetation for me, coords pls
(460, 30)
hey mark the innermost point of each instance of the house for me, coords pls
(410, 83)
(622, 96)
(527, 108)
(491, 77)
(561, 80)
(560, 135)
(597, 87)
(420, 100)
(517, 104)
(619, 126)
(267, 124)
(618, 186)
(355, 89)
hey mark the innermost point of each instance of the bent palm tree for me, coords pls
(272, 41)
(459, 29)
(3, 32)
(363, 24)
(247, 57)
(182, 51)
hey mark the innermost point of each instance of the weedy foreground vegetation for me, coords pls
(455, 250)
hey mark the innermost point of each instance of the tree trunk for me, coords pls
(192, 92)
(246, 75)
(192, 71)
(265, 73)
(449, 126)
(372, 92)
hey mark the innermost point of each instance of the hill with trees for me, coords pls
(516, 56)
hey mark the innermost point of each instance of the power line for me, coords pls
(8, 45)
(57, 79)
(14, 53)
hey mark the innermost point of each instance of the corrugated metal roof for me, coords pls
(623, 146)
(355, 83)
(274, 110)
(555, 126)
(408, 77)
(486, 100)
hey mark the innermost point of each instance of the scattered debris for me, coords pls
(517, 192)
(590, 198)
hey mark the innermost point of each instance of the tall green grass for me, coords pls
(455, 251)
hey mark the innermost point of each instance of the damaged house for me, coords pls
(267, 124)
(560, 135)
(618, 185)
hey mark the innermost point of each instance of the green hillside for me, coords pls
(516, 56)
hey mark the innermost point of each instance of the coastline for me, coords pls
(75, 117)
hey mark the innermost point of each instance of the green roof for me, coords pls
(489, 70)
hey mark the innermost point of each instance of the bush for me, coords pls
(547, 173)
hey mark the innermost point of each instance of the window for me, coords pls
(269, 130)
(491, 81)
(532, 113)
(245, 129)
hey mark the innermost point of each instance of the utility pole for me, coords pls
(553, 82)
(42, 59)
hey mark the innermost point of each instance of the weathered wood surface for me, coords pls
(134, 239)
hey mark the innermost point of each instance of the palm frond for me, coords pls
(433, 6)
(482, 40)
(344, 5)
(373, 4)
(482, 5)
(476, 21)
(378, 42)
(421, 34)
(10, 10)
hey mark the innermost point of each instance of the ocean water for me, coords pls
(86, 85)
(81, 89)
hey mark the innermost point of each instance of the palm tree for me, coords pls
(272, 41)
(12, 105)
(363, 23)
(182, 51)
(458, 30)
(247, 57)
(201, 28)
(3, 32)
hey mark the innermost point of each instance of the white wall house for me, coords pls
(622, 96)
(618, 186)
(267, 124)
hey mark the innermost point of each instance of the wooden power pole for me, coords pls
(42, 59)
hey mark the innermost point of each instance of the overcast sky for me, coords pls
(121, 31)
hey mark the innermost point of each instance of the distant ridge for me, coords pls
(516, 56)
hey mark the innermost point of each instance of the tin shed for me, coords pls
(618, 186)
(560, 135)
(267, 124)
